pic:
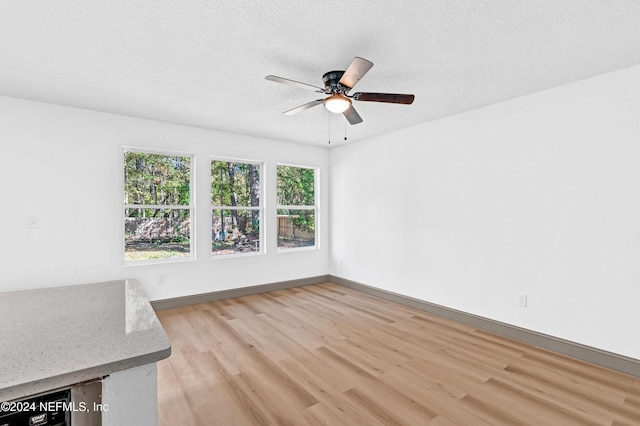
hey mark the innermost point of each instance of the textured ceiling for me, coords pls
(203, 63)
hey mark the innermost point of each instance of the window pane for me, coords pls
(296, 228)
(235, 231)
(156, 179)
(156, 233)
(235, 184)
(296, 186)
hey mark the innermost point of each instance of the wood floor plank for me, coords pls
(577, 368)
(261, 336)
(249, 412)
(228, 347)
(441, 397)
(332, 407)
(335, 414)
(174, 407)
(529, 407)
(565, 400)
(465, 345)
(632, 399)
(294, 331)
(329, 355)
(561, 379)
(271, 401)
(320, 325)
(395, 410)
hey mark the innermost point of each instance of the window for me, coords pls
(158, 206)
(297, 208)
(236, 205)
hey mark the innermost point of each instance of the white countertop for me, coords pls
(55, 337)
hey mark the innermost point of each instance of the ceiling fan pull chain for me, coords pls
(345, 128)
(329, 132)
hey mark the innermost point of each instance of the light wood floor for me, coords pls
(328, 355)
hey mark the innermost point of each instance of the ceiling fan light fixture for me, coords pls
(337, 103)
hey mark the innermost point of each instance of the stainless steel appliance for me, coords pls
(78, 405)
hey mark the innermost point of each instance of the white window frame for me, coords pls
(191, 207)
(259, 208)
(314, 207)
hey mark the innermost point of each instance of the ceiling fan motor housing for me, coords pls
(331, 82)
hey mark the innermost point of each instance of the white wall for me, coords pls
(64, 165)
(538, 195)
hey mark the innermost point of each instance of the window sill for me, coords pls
(159, 261)
(236, 255)
(297, 249)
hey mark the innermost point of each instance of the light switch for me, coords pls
(522, 300)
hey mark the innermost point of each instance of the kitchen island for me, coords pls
(57, 337)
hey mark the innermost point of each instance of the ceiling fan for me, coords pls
(338, 84)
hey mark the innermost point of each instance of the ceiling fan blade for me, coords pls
(352, 116)
(303, 107)
(294, 83)
(356, 70)
(392, 98)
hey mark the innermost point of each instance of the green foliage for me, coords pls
(235, 184)
(182, 214)
(156, 179)
(163, 180)
(296, 186)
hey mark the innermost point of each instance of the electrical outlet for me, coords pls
(162, 279)
(522, 300)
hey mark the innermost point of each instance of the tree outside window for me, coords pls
(157, 206)
(297, 209)
(236, 208)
